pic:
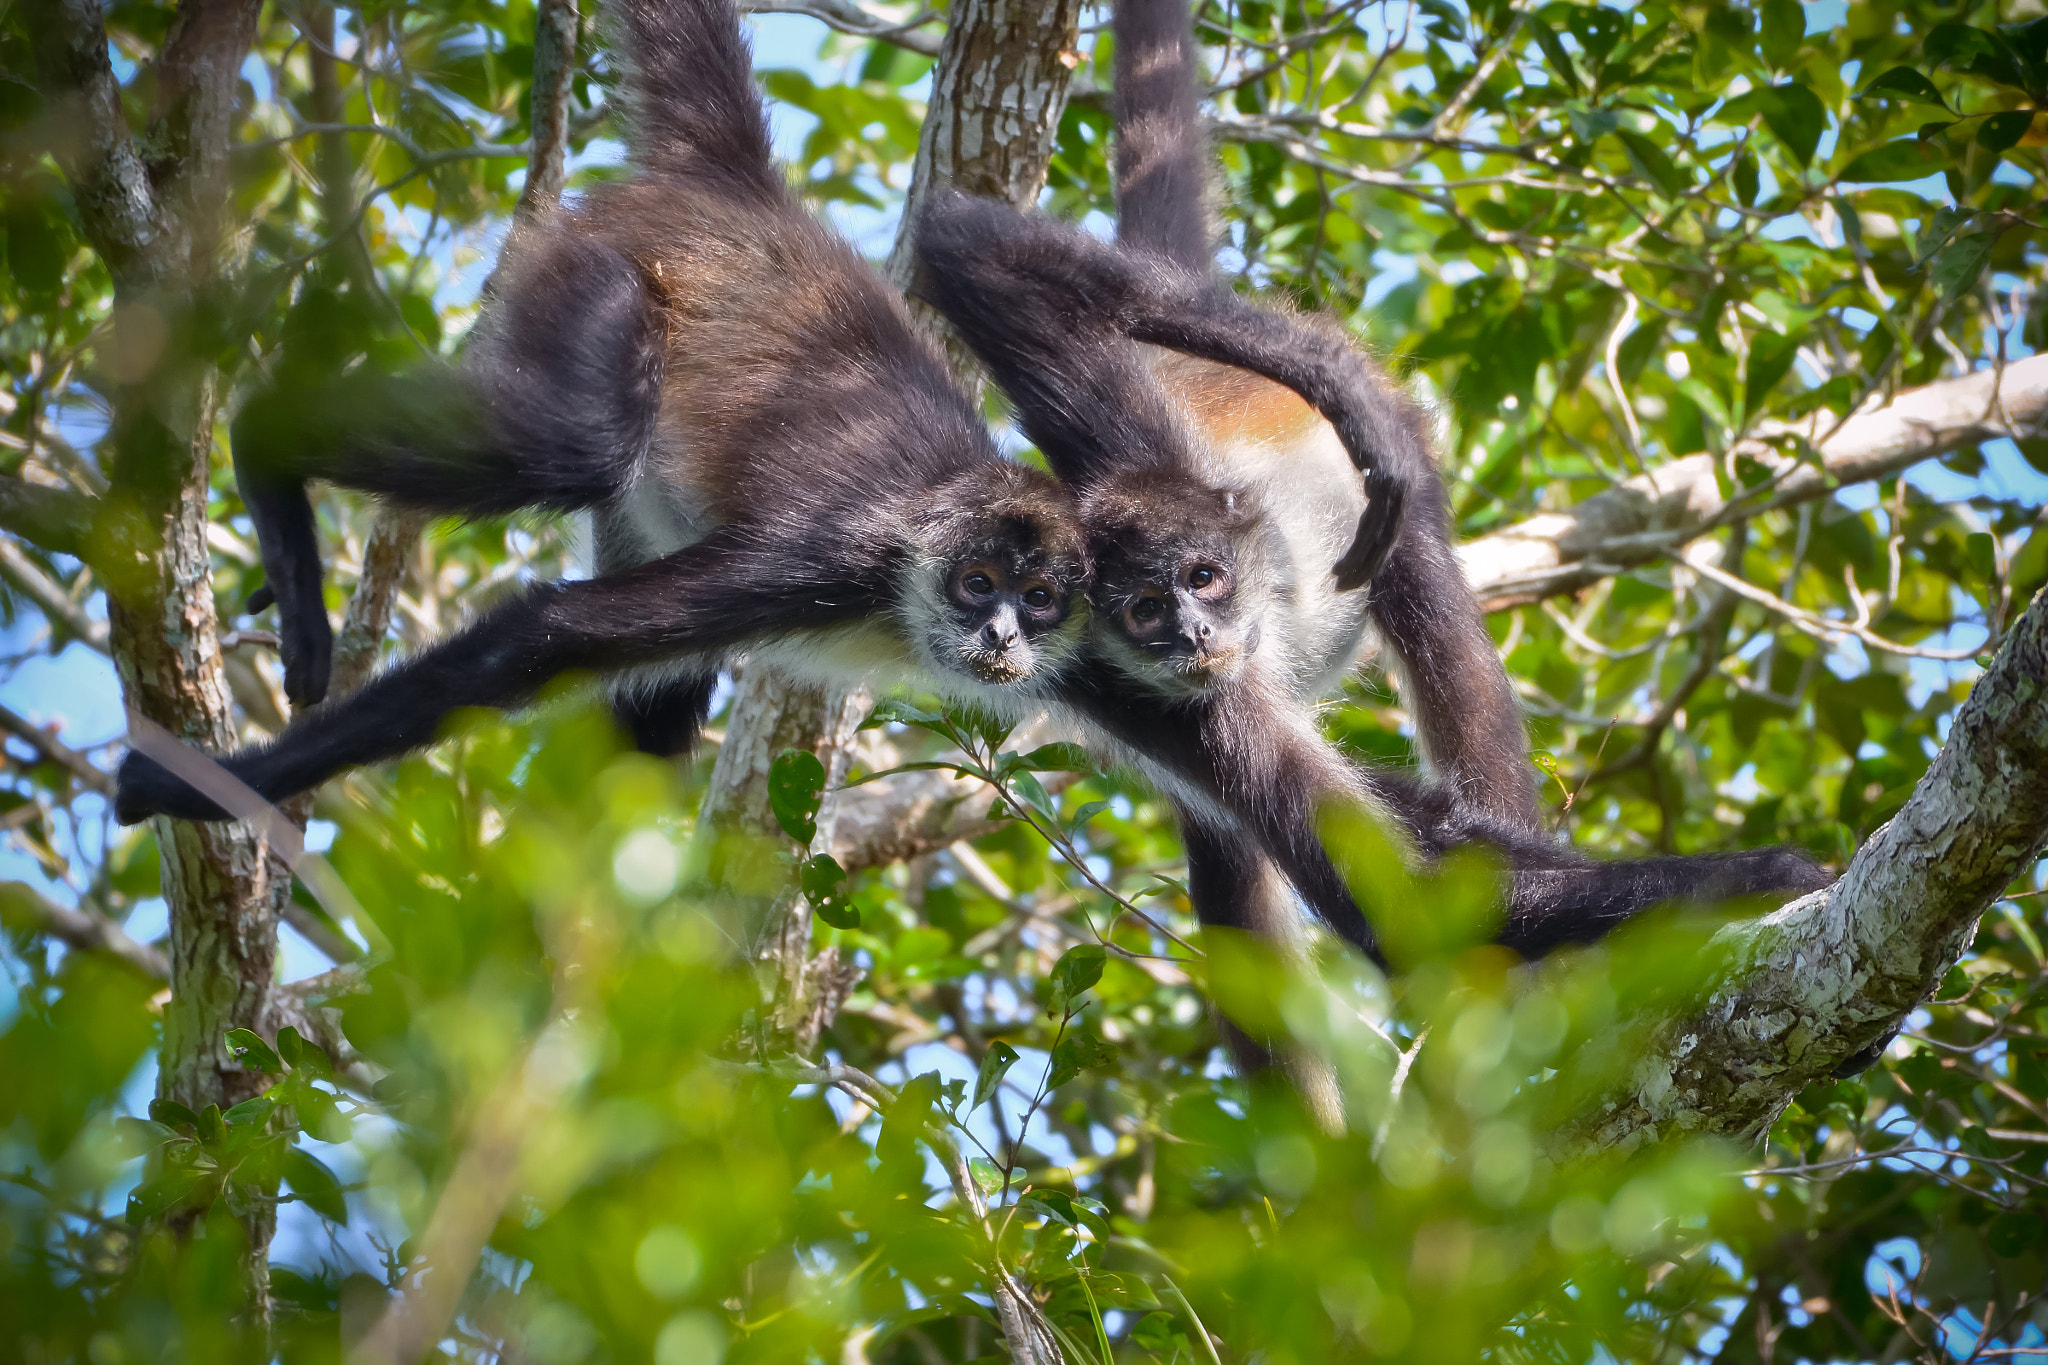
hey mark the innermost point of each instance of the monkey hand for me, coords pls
(305, 642)
(1379, 527)
(145, 787)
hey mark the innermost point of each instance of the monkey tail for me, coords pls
(1164, 174)
(688, 82)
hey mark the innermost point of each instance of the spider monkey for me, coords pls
(785, 465)
(1213, 500)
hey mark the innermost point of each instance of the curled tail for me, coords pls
(688, 81)
(1163, 169)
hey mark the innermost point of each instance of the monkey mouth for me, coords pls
(1211, 668)
(995, 665)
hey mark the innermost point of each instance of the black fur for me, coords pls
(553, 409)
(1041, 303)
(693, 345)
(666, 717)
(1053, 313)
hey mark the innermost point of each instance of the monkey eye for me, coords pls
(978, 583)
(1201, 576)
(1038, 598)
(1147, 610)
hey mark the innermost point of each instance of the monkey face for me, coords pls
(1002, 607)
(1177, 619)
(1004, 565)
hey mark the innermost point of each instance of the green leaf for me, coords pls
(1590, 125)
(796, 788)
(1745, 177)
(253, 1053)
(1975, 50)
(1906, 85)
(172, 1113)
(1937, 229)
(1087, 812)
(1784, 28)
(160, 1194)
(1554, 52)
(824, 885)
(1057, 758)
(1961, 262)
(321, 1116)
(995, 1064)
(315, 1185)
(1796, 115)
(894, 712)
(1078, 968)
(987, 1174)
(2001, 132)
(303, 1054)
(1075, 1053)
(1906, 159)
(250, 1113)
(136, 1136)
(1651, 163)
(1034, 795)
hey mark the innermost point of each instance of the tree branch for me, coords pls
(555, 26)
(24, 907)
(1642, 518)
(56, 519)
(49, 595)
(63, 755)
(92, 144)
(848, 17)
(1830, 974)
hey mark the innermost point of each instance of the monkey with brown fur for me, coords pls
(780, 464)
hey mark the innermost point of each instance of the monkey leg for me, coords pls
(665, 717)
(1232, 885)
(698, 601)
(553, 409)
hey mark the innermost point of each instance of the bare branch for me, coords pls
(848, 17)
(57, 519)
(556, 25)
(109, 180)
(369, 607)
(49, 595)
(1645, 517)
(24, 907)
(63, 755)
(1833, 973)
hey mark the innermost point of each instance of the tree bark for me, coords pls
(1830, 974)
(1653, 513)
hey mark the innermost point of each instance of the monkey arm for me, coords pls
(553, 408)
(710, 597)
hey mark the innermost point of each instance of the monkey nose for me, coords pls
(999, 639)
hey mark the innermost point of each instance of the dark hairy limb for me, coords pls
(695, 602)
(1231, 885)
(996, 274)
(1163, 168)
(1467, 716)
(553, 409)
(1274, 777)
(666, 718)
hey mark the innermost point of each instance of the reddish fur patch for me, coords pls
(1228, 405)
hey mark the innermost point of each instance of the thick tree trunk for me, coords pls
(1810, 985)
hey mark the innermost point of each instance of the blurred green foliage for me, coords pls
(1615, 237)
